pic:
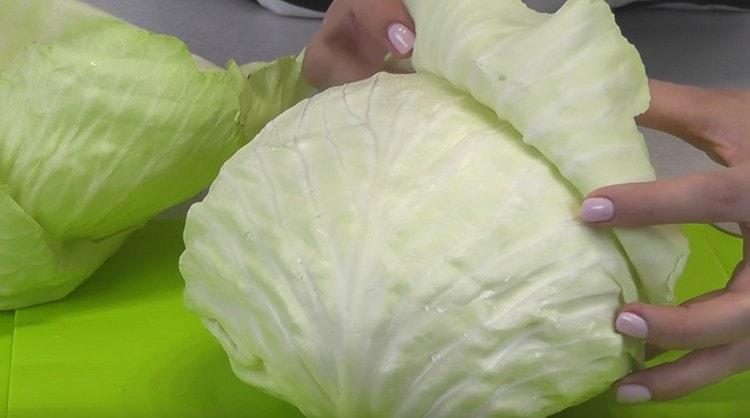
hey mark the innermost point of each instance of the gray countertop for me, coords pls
(705, 48)
(218, 30)
(710, 49)
(701, 48)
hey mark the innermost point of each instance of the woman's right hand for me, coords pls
(715, 327)
(354, 40)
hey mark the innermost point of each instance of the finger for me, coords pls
(389, 23)
(716, 196)
(352, 43)
(327, 65)
(676, 109)
(711, 120)
(719, 320)
(693, 371)
(339, 52)
(653, 351)
(741, 274)
(740, 281)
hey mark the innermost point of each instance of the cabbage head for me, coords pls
(408, 245)
(102, 126)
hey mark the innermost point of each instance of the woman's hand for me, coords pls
(354, 40)
(715, 326)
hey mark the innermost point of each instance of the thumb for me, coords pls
(388, 22)
(716, 196)
(354, 40)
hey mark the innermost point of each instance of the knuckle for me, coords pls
(665, 384)
(743, 305)
(680, 385)
(742, 355)
(353, 15)
(728, 193)
(312, 73)
(723, 195)
(679, 333)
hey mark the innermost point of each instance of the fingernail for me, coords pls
(401, 37)
(597, 209)
(633, 394)
(631, 324)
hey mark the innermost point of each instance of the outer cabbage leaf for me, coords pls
(363, 261)
(26, 21)
(35, 267)
(571, 85)
(271, 88)
(104, 128)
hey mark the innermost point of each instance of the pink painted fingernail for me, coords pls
(597, 209)
(401, 37)
(633, 394)
(631, 324)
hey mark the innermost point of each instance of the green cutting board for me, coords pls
(6, 348)
(123, 345)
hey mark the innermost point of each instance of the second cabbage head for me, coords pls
(408, 245)
(102, 126)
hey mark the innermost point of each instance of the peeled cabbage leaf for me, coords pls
(571, 85)
(409, 245)
(102, 126)
(26, 21)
